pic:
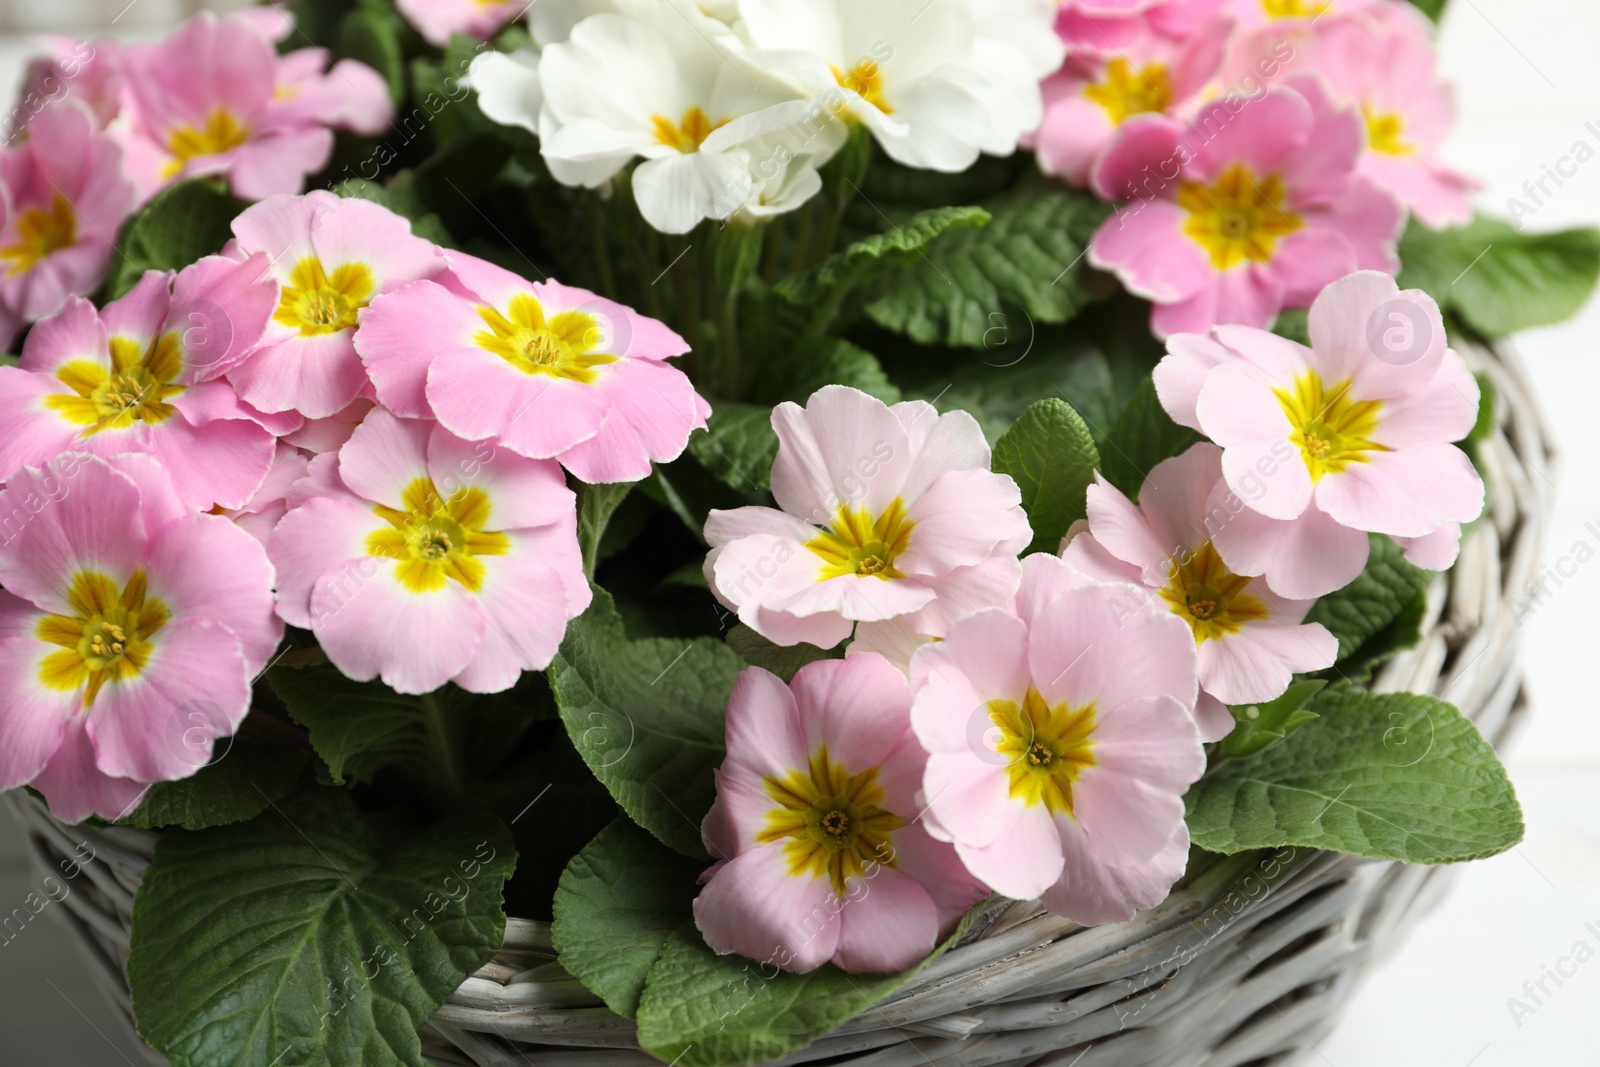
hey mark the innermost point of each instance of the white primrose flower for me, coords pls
(933, 85)
(666, 83)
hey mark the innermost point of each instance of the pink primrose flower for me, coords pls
(883, 513)
(547, 370)
(821, 853)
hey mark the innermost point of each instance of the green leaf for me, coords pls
(806, 367)
(647, 717)
(375, 40)
(1375, 616)
(240, 782)
(782, 660)
(1499, 279)
(619, 901)
(313, 934)
(1260, 726)
(704, 1010)
(901, 244)
(1051, 455)
(596, 505)
(441, 742)
(1144, 435)
(1027, 257)
(738, 445)
(1397, 776)
(1295, 325)
(187, 222)
(1434, 9)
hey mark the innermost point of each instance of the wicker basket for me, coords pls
(1248, 963)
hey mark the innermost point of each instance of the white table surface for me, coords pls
(1528, 77)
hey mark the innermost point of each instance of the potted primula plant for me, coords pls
(756, 531)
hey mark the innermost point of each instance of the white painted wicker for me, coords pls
(1248, 963)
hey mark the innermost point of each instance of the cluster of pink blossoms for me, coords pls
(1255, 150)
(334, 425)
(101, 128)
(1029, 727)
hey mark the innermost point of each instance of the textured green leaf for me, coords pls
(242, 781)
(1499, 279)
(1375, 616)
(442, 741)
(647, 717)
(619, 901)
(1295, 325)
(870, 256)
(1260, 726)
(1143, 436)
(1029, 256)
(1051, 455)
(704, 1010)
(798, 371)
(738, 445)
(782, 660)
(184, 223)
(313, 934)
(1397, 776)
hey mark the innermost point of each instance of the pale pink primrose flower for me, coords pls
(439, 20)
(1109, 26)
(432, 559)
(130, 630)
(545, 369)
(208, 101)
(883, 513)
(1249, 641)
(1389, 72)
(1254, 207)
(329, 434)
(64, 196)
(332, 256)
(271, 501)
(1061, 741)
(1095, 92)
(86, 72)
(822, 856)
(144, 375)
(1322, 445)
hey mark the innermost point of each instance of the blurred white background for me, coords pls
(1529, 92)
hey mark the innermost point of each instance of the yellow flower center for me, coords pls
(1330, 428)
(865, 79)
(106, 638)
(562, 346)
(688, 133)
(136, 388)
(831, 822)
(436, 540)
(1208, 596)
(1293, 9)
(857, 544)
(40, 232)
(316, 302)
(221, 133)
(1386, 132)
(1047, 749)
(1237, 218)
(1125, 92)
